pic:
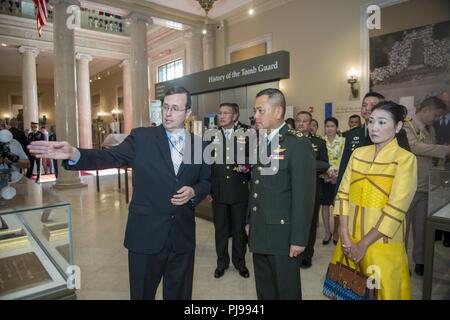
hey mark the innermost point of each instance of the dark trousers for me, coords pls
(416, 218)
(30, 169)
(309, 250)
(277, 277)
(146, 271)
(225, 215)
(55, 166)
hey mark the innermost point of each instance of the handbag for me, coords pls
(344, 283)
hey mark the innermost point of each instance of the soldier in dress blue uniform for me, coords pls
(34, 135)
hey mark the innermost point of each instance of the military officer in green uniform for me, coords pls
(303, 125)
(359, 136)
(281, 204)
(229, 192)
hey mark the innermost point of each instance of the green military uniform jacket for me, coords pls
(229, 186)
(321, 153)
(281, 205)
(322, 162)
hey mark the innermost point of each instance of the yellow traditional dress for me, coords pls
(376, 192)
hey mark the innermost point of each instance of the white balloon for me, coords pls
(5, 136)
(8, 193)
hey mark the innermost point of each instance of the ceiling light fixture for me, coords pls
(251, 11)
(207, 6)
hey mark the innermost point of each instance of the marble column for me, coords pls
(193, 39)
(209, 48)
(127, 107)
(139, 69)
(66, 114)
(29, 85)
(84, 100)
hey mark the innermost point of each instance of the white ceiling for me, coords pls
(220, 7)
(11, 62)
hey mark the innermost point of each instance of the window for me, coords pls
(170, 71)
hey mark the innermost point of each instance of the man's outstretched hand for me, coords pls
(60, 150)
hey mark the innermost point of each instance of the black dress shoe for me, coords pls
(219, 272)
(327, 241)
(418, 269)
(243, 272)
(306, 263)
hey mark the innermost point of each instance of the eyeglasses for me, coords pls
(175, 109)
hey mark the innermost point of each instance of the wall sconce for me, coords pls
(116, 111)
(352, 80)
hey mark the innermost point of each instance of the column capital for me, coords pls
(191, 33)
(34, 50)
(124, 63)
(83, 56)
(134, 17)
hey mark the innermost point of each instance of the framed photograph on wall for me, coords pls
(411, 65)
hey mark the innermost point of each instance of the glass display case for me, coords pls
(438, 219)
(35, 243)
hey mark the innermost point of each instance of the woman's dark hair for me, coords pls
(314, 120)
(397, 111)
(334, 120)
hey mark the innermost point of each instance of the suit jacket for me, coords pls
(229, 186)
(442, 132)
(152, 219)
(281, 205)
(359, 137)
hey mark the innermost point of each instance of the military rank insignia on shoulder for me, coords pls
(295, 133)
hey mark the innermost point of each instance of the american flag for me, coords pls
(41, 14)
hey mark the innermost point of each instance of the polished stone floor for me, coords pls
(98, 228)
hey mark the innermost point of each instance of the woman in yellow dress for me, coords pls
(374, 195)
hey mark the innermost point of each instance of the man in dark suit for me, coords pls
(303, 125)
(160, 232)
(230, 191)
(359, 137)
(281, 204)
